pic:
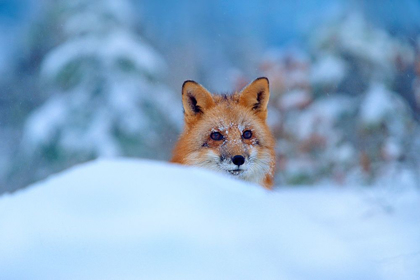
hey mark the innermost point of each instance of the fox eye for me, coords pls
(247, 134)
(217, 136)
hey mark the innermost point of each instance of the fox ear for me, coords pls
(195, 99)
(255, 97)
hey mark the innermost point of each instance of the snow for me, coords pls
(349, 119)
(294, 99)
(111, 49)
(136, 219)
(105, 91)
(321, 116)
(40, 126)
(328, 69)
(94, 16)
(378, 104)
(356, 36)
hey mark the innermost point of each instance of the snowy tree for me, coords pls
(367, 63)
(338, 109)
(350, 53)
(105, 98)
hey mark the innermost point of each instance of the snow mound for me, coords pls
(132, 219)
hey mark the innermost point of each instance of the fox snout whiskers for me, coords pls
(235, 165)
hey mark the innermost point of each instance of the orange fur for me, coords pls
(235, 117)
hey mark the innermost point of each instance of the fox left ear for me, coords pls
(196, 100)
(255, 97)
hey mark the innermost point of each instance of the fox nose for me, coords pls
(238, 160)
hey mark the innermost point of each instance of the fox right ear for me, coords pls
(255, 97)
(195, 99)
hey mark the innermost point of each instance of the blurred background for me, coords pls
(82, 79)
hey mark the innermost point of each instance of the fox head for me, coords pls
(228, 133)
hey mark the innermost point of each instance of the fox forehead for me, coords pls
(226, 124)
(226, 117)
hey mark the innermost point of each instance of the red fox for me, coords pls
(228, 133)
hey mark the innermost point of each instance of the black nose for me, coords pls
(238, 160)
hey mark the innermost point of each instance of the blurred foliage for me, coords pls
(345, 105)
(103, 98)
(339, 115)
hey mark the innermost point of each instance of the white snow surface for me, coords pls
(137, 219)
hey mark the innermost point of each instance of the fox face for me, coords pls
(228, 133)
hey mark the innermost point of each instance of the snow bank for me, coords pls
(130, 219)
